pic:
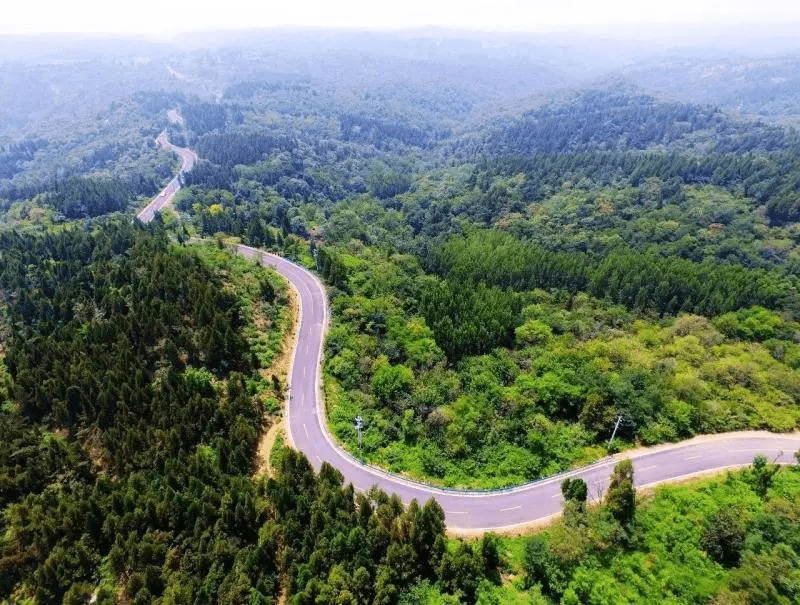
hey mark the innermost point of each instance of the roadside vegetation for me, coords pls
(731, 539)
(549, 374)
(494, 318)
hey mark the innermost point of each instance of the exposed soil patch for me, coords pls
(279, 370)
(283, 362)
(265, 446)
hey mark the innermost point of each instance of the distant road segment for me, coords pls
(166, 195)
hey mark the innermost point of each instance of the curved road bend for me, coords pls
(474, 511)
(465, 511)
(188, 158)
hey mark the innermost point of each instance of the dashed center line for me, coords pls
(505, 510)
(647, 468)
(692, 457)
(306, 430)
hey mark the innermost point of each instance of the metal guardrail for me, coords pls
(467, 491)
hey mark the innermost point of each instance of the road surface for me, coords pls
(468, 511)
(188, 158)
(476, 511)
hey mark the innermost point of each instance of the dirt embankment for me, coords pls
(279, 369)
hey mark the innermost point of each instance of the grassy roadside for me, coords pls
(266, 304)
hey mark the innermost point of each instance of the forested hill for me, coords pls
(635, 280)
(615, 136)
(128, 366)
(129, 416)
(619, 120)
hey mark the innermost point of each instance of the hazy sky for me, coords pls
(169, 16)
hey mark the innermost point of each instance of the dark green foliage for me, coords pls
(201, 117)
(461, 571)
(368, 545)
(230, 149)
(723, 538)
(14, 157)
(574, 489)
(607, 135)
(468, 318)
(332, 268)
(81, 197)
(624, 276)
(209, 175)
(122, 355)
(621, 496)
(378, 132)
(490, 553)
(618, 120)
(763, 474)
(542, 568)
(385, 184)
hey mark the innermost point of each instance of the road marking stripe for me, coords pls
(692, 457)
(556, 496)
(456, 512)
(306, 430)
(505, 510)
(646, 468)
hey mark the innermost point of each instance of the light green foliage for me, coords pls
(670, 558)
(390, 382)
(533, 332)
(703, 222)
(515, 414)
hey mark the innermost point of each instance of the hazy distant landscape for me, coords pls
(539, 249)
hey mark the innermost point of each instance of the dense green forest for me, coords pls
(515, 259)
(133, 412)
(128, 443)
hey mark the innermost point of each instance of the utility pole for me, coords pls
(359, 426)
(616, 426)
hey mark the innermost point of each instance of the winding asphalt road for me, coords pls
(476, 511)
(469, 511)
